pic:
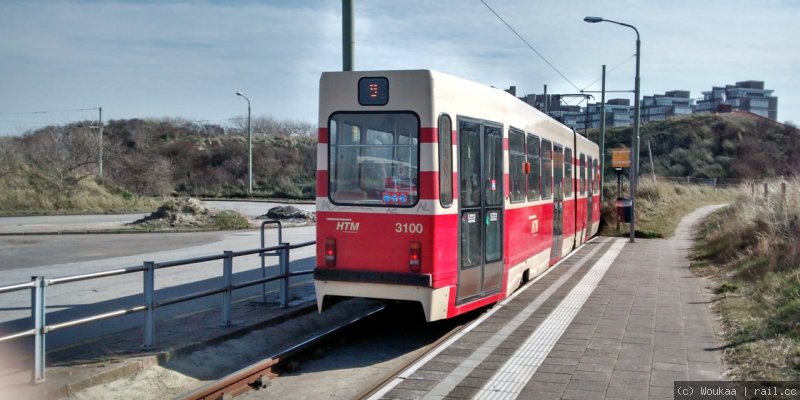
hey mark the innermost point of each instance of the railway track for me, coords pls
(372, 391)
(257, 375)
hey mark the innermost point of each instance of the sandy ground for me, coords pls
(190, 372)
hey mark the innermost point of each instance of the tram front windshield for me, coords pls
(374, 159)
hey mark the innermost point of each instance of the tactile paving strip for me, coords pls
(512, 377)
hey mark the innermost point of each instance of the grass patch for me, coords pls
(229, 220)
(751, 249)
(660, 207)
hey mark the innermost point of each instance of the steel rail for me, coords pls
(94, 275)
(246, 378)
(366, 394)
(188, 297)
(256, 251)
(302, 244)
(186, 261)
(270, 279)
(98, 317)
(18, 286)
(29, 332)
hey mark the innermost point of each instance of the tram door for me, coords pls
(590, 196)
(480, 174)
(558, 202)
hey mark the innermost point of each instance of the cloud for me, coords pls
(187, 58)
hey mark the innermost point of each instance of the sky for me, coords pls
(60, 60)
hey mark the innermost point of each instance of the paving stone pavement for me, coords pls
(646, 324)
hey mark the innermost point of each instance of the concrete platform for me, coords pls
(616, 320)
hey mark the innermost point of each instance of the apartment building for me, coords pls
(747, 96)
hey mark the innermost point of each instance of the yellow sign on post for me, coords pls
(621, 158)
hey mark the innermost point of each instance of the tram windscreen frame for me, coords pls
(373, 158)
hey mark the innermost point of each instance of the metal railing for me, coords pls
(38, 286)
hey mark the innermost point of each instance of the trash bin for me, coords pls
(624, 209)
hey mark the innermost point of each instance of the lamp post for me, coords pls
(635, 139)
(249, 147)
(100, 111)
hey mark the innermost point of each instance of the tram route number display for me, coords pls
(408, 228)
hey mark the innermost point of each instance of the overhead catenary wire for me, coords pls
(609, 71)
(49, 111)
(529, 45)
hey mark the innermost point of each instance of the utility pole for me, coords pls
(652, 167)
(100, 109)
(634, 173)
(348, 48)
(545, 100)
(586, 120)
(603, 133)
(249, 147)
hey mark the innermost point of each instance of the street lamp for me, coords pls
(635, 139)
(249, 147)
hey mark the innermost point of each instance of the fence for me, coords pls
(714, 182)
(39, 284)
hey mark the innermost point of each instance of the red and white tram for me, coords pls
(442, 191)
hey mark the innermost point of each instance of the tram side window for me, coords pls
(589, 175)
(583, 174)
(445, 161)
(516, 160)
(597, 187)
(547, 169)
(534, 177)
(568, 178)
(469, 165)
(493, 165)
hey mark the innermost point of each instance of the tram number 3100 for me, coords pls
(408, 228)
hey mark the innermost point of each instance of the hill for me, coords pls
(707, 146)
(56, 168)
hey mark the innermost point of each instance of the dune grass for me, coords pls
(751, 249)
(23, 197)
(659, 206)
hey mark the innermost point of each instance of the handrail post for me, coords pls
(284, 271)
(38, 312)
(263, 256)
(149, 302)
(227, 282)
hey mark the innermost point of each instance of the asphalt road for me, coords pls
(32, 250)
(61, 223)
(22, 252)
